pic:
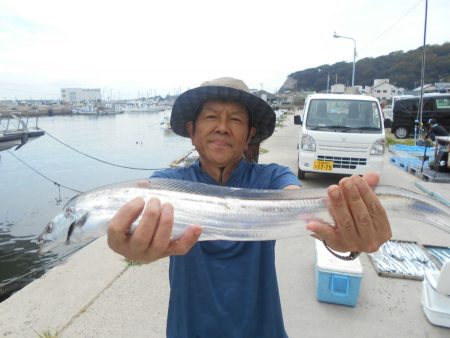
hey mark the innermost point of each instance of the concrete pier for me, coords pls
(97, 294)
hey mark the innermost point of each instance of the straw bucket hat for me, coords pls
(188, 105)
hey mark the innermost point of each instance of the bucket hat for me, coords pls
(188, 104)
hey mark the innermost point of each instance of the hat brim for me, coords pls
(188, 104)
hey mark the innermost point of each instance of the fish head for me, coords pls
(59, 230)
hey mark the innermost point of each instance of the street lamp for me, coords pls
(354, 54)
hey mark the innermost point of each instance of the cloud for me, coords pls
(135, 45)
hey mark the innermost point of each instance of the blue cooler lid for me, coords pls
(326, 261)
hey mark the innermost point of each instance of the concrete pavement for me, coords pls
(96, 294)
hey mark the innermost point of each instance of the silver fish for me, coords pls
(224, 213)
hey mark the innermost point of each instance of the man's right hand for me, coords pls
(150, 241)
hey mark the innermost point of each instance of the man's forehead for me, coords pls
(235, 106)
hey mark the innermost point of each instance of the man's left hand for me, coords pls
(361, 221)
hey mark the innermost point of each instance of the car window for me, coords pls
(340, 113)
(413, 105)
(428, 104)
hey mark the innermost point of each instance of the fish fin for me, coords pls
(228, 192)
(69, 232)
(78, 222)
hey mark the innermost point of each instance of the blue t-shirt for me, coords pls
(227, 288)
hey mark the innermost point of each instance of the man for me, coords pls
(434, 129)
(226, 288)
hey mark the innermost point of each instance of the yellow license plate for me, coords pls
(323, 165)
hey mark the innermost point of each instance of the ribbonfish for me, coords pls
(224, 213)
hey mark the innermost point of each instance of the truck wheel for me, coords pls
(401, 132)
(301, 174)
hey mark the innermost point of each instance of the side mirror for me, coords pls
(297, 119)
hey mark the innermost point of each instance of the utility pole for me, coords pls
(422, 76)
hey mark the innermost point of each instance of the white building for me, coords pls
(337, 88)
(383, 90)
(80, 94)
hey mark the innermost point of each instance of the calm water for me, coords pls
(28, 201)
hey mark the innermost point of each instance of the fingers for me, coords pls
(151, 238)
(359, 198)
(382, 228)
(344, 202)
(121, 222)
(372, 179)
(361, 221)
(143, 234)
(162, 233)
(182, 245)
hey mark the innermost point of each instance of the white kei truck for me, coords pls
(340, 134)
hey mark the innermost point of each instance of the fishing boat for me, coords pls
(84, 110)
(109, 109)
(165, 121)
(142, 106)
(16, 132)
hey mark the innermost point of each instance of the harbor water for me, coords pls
(45, 173)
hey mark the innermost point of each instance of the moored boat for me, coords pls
(15, 132)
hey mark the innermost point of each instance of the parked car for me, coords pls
(406, 113)
(340, 134)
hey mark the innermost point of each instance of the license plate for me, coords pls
(323, 165)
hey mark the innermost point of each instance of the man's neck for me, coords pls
(219, 173)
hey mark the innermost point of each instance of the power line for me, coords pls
(42, 175)
(391, 26)
(97, 159)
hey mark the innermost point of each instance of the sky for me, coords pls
(144, 48)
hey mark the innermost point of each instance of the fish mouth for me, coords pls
(46, 246)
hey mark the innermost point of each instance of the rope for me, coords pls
(391, 26)
(59, 185)
(97, 159)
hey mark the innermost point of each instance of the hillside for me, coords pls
(401, 68)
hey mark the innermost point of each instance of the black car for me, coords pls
(406, 113)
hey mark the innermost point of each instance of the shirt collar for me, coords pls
(235, 175)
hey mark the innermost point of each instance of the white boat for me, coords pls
(109, 109)
(15, 132)
(85, 110)
(186, 160)
(165, 123)
(142, 106)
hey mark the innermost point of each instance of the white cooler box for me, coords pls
(337, 281)
(436, 295)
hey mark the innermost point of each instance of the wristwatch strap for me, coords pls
(353, 255)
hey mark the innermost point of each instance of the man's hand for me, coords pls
(150, 241)
(361, 221)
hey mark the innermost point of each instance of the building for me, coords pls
(337, 88)
(383, 90)
(438, 87)
(74, 95)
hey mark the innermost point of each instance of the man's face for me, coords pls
(221, 133)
